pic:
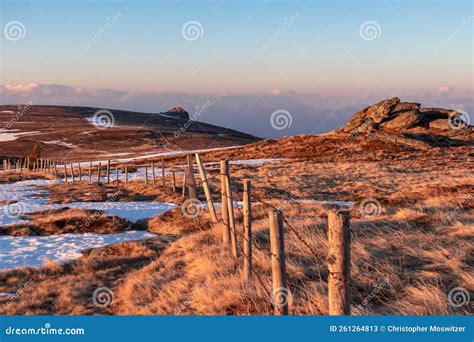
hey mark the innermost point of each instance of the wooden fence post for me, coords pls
(98, 172)
(190, 177)
(65, 173)
(116, 176)
(90, 172)
(224, 210)
(230, 210)
(207, 191)
(80, 172)
(280, 292)
(108, 171)
(153, 173)
(174, 180)
(72, 172)
(339, 263)
(247, 212)
(126, 174)
(163, 174)
(184, 185)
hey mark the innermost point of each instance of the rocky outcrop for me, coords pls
(177, 112)
(406, 123)
(404, 119)
(368, 118)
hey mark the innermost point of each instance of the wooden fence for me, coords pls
(238, 243)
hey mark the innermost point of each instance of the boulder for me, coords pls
(403, 121)
(404, 106)
(441, 124)
(368, 118)
(177, 112)
(437, 113)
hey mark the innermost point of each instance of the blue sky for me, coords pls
(313, 48)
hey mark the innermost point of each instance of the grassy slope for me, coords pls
(407, 253)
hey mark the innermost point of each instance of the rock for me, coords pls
(177, 112)
(437, 113)
(368, 118)
(404, 106)
(441, 124)
(404, 120)
(399, 140)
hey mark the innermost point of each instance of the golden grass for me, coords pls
(404, 260)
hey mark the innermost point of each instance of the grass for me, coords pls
(405, 259)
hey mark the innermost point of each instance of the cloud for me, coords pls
(443, 91)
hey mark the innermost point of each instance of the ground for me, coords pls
(412, 235)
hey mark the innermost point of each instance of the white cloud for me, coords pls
(443, 91)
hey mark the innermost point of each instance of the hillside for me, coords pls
(85, 133)
(411, 217)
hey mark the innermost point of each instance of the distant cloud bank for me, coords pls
(250, 113)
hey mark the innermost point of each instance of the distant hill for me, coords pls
(87, 133)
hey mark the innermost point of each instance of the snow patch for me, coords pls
(34, 251)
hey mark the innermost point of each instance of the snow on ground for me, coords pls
(9, 135)
(60, 143)
(33, 251)
(8, 111)
(25, 197)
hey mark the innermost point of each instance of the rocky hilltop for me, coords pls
(408, 124)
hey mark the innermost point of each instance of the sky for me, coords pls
(317, 60)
